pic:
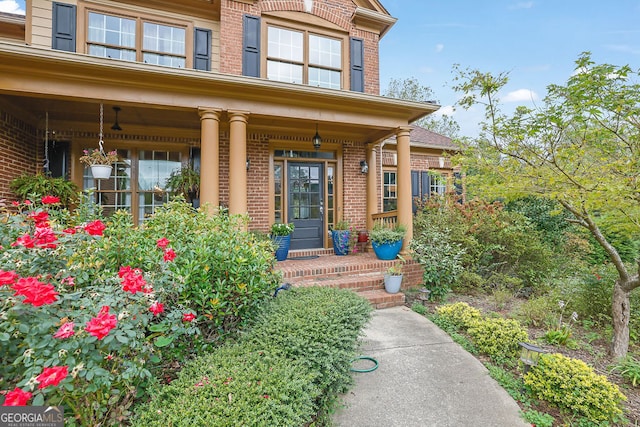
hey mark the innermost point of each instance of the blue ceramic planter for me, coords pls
(340, 241)
(387, 251)
(283, 242)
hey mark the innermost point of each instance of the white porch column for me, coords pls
(405, 212)
(210, 158)
(237, 162)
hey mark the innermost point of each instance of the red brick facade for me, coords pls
(18, 152)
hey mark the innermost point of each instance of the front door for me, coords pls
(306, 204)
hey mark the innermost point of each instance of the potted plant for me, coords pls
(281, 237)
(387, 241)
(185, 181)
(393, 277)
(340, 235)
(101, 163)
(39, 185)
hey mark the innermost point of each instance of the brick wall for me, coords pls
(18, 150)
(258, 196)
(354, 185)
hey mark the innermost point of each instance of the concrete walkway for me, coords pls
(423, 379)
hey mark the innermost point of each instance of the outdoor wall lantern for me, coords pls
(316, 139)
(529, 355)
(116, 125)
(248, 163)
(364, 167)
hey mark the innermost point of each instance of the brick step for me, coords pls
(380, 298)
(356, 282)
(294, 272)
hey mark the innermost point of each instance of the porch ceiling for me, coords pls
(70, 87)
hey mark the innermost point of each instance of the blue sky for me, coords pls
(536, 41)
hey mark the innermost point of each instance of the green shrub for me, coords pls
(460, 314)
(629, 368)
(34, 187)
(498, 338)
(574, 387)
(419, 308)
(537, 311)
(537, 419)
(289, 366)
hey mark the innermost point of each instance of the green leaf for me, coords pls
(38, 400)
(163, 341)
(160, 327)
(4, 336)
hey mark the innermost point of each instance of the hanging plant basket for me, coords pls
(101, 171)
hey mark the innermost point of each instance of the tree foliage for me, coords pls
(581, 147)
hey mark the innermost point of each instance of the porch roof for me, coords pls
(70, 85)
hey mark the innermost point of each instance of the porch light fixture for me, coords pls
(529, 355)
(116, 126)
(316, 139)
(248, 163)
(364, 167)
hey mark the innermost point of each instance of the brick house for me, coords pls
(236, 88)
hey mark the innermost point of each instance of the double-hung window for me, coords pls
(298, 56)
(438, 184)
(390, 194)
(113, 36)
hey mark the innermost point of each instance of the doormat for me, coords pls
(302, 258)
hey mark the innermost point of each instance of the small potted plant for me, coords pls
(387, 241)
(281, 237)
(393, 277)
(340, 235)
(101, 163)
(185, 181)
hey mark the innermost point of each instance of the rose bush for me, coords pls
(91, 311)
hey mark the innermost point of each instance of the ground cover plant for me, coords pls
(286, 370)
(93, 310)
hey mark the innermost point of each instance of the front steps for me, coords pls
(363, 273)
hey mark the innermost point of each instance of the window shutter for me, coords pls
(251, 46)
(357, 65)
(202, 49)
(64, 27)
(457, 185)
(415, 190)
(426, 185)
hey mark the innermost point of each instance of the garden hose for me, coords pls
(373, 368)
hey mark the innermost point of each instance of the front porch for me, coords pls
(362, 272)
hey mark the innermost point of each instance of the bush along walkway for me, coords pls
(286, 371)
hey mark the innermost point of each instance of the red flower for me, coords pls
(132, 280)
(36, 293)
(188, 317)
(69, 281)
(52, 376)
(65, 331)
(162, 243)
(50, 200)
(100, 325)
(17, 397)
(156, 308)
(169, 255)
(25, 241)
(27, 202)
(40, 217)
(15, 203)
(45, 237)
(7, 277)
(95, 228)
(70, 230)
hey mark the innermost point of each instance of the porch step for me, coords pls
(362, 273)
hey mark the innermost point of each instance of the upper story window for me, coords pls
(298, 56)
(116, 37)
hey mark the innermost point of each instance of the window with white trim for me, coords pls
(113, 36)
(390, 191)
(438, 184)
(298, 56)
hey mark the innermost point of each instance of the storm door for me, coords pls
(306, 204)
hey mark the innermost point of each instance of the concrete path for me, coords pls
(423, 379)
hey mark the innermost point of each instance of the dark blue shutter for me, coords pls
(251, 46)
(426, 185)
(457, 185)
(357, 65)
(64, 27)
(202, 49)
(415, 190)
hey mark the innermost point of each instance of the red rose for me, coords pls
(162, 243)
(39, 217)
(45, 237)
(36, 293)
(52, 376)
(15, 203)
(169, 255)
(17, 397)
(65, 331)
(50, 200)
(70, 230)
(95, 228)
(188, 317)
(156, 308)
(102, 324)
(25, 241)
(133, 280)
(7, 277)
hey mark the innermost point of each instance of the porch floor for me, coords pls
(362, 273)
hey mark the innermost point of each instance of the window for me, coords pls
(116, 37)
(438, 185)
(390, 196)
(297, 56)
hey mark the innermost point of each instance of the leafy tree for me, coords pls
(581, 147)
(410, 89)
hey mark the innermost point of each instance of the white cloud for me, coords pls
(521, 95)
(12, 6)
(445, 110)
(623, 48)
(521, 5)
(439, 47)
